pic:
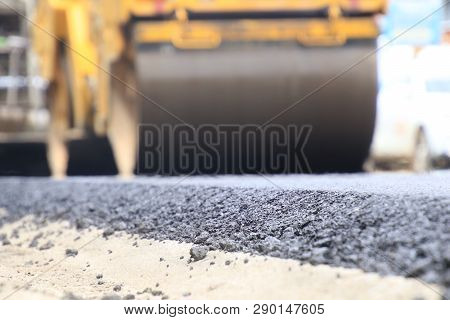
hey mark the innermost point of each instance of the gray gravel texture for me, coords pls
(371, 228)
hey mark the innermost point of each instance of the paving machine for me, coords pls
(114, 64)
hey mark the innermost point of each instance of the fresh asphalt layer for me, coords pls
(385, 223)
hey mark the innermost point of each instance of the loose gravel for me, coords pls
(71, 252)
(400, 234)
(198, 253)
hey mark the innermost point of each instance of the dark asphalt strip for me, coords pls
(405, 235)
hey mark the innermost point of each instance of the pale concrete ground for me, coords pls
(136, 265)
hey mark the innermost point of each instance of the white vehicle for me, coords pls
(413, 125)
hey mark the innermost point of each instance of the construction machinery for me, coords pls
(23, 115)
(114, 64)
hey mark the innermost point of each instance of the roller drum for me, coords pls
(256, 83)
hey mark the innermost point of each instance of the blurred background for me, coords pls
(61, 111)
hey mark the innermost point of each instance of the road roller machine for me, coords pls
(115, 65)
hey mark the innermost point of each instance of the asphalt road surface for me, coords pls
(391, 224)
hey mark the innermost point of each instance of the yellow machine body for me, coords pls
(79, 41)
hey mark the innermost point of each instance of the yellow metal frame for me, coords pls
(63, 27)
(153, 7)
(208, 35)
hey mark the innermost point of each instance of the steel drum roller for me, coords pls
(252, 83)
